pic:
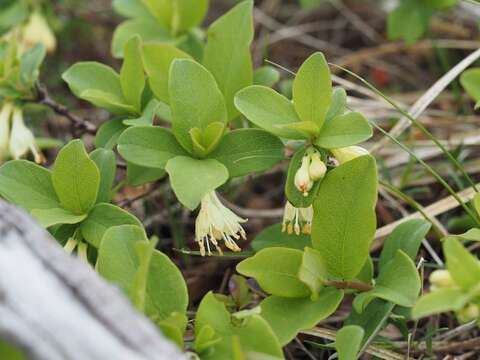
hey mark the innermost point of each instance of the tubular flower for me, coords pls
(302, 178)
(5, 115)
(21, 139)
(311, 170)
(297, 219)
(317, 168)
(349, 153)
(37, 31)
(215, 223)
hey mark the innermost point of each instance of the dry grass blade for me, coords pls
(426, 99)
(432, 210)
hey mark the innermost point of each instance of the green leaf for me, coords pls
(462, 265)
(272, 236)
(287, 317)
(398, 283)
(312, 271)
(413, 13)
(173, 327)
(470, 81)
(140, 175)
(469, 235)
(297, 198)
(188, 14)
(101, 218)
(107, 165)
(157, 59)
(132, 78)
(205, 338)
(108, 133)
(440, 301)
(147, 117)
(307, 128)
(147, 28)
(12, 13)
(366, 273)
(27, 185)
(406, 237)
(192, 179)
(108, 101)
(371, 320)
(130, 8)
(266, 76)
(30, 63)
(338, 105)
(54, 216)
(8, 351)
(227, 53)
(162, 10)
(119, 262)
(312, 89)
(276, 269)
(344, 220)
(269, 110)
(253, 333)
(76, 178)
(344, 130)
(149, 146)
(245, 151)
(348, 342)
(204, 141)
(98, 84)
(195, 100)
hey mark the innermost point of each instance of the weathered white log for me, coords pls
(54, 306)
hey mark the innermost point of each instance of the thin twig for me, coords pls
(82, 124)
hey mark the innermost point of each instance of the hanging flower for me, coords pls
(298, 220)
(311, 170)
(37, 31)
(21, 139)
(349, 153)
(215, 223)
(5, 115)
(317, 168)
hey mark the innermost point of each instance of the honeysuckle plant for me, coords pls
(317, 116)
(190, 106)
(72, 199)
(18, 74)
(199, 153)
(170, 21)
(26, 37)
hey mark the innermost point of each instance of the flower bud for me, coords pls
(441, 279)
(21, 139)
(37, 31)
(348, 153)
(317, 168)
(5, 115)
(302, 177)
(468, 313)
